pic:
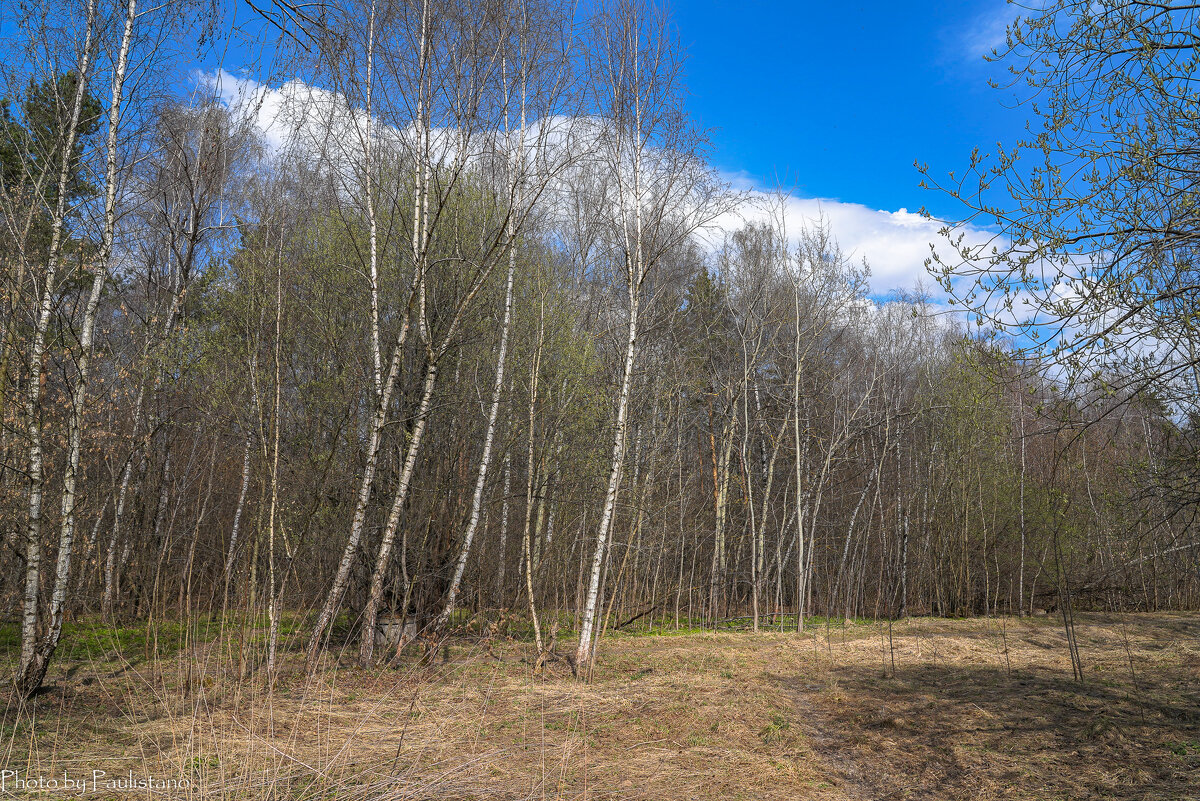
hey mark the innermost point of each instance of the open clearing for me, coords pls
(972, 709)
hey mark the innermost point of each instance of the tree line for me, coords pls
(479, 337)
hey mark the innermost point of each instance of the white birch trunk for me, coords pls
(502, 562)
(33, 532)
(371, 612)
(376, 353)
(485, 458)
(33, 670)
(235, 529)
(583, 653)
(334, 598)
(501, 360)
(528, 555)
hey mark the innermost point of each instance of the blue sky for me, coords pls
(835, 101)
(839, 99)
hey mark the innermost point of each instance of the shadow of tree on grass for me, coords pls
(976, 732)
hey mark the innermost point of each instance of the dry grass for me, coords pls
(972, 709)
(988, 709)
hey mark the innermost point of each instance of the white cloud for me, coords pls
(986, 32)
(894, 243)
(252, 99)
(977, 35)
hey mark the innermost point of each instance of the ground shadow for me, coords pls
(948, 732)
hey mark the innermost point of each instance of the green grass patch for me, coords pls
(92, 639)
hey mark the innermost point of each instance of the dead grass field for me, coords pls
(962, 709)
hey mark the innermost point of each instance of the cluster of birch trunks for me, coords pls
(449, 318)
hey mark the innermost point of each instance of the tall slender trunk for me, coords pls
(273, 514)
(1021, 512)
(235, 529)
(373, 243)
(801, 500)
(533, 391)
(902, 526)
(33, 402)
(485, 457)
(501, 358)
(33, 668)
(375, 595)
(800, 456)
(502, 558)
(419, 238)
(760, 564)
(357, 523)
(583, 653)
(719, 560)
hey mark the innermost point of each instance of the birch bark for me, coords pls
(33, 668)
(33, 401)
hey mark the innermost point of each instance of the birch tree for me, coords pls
(657, 194)
(36, 652)
(36, 649)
